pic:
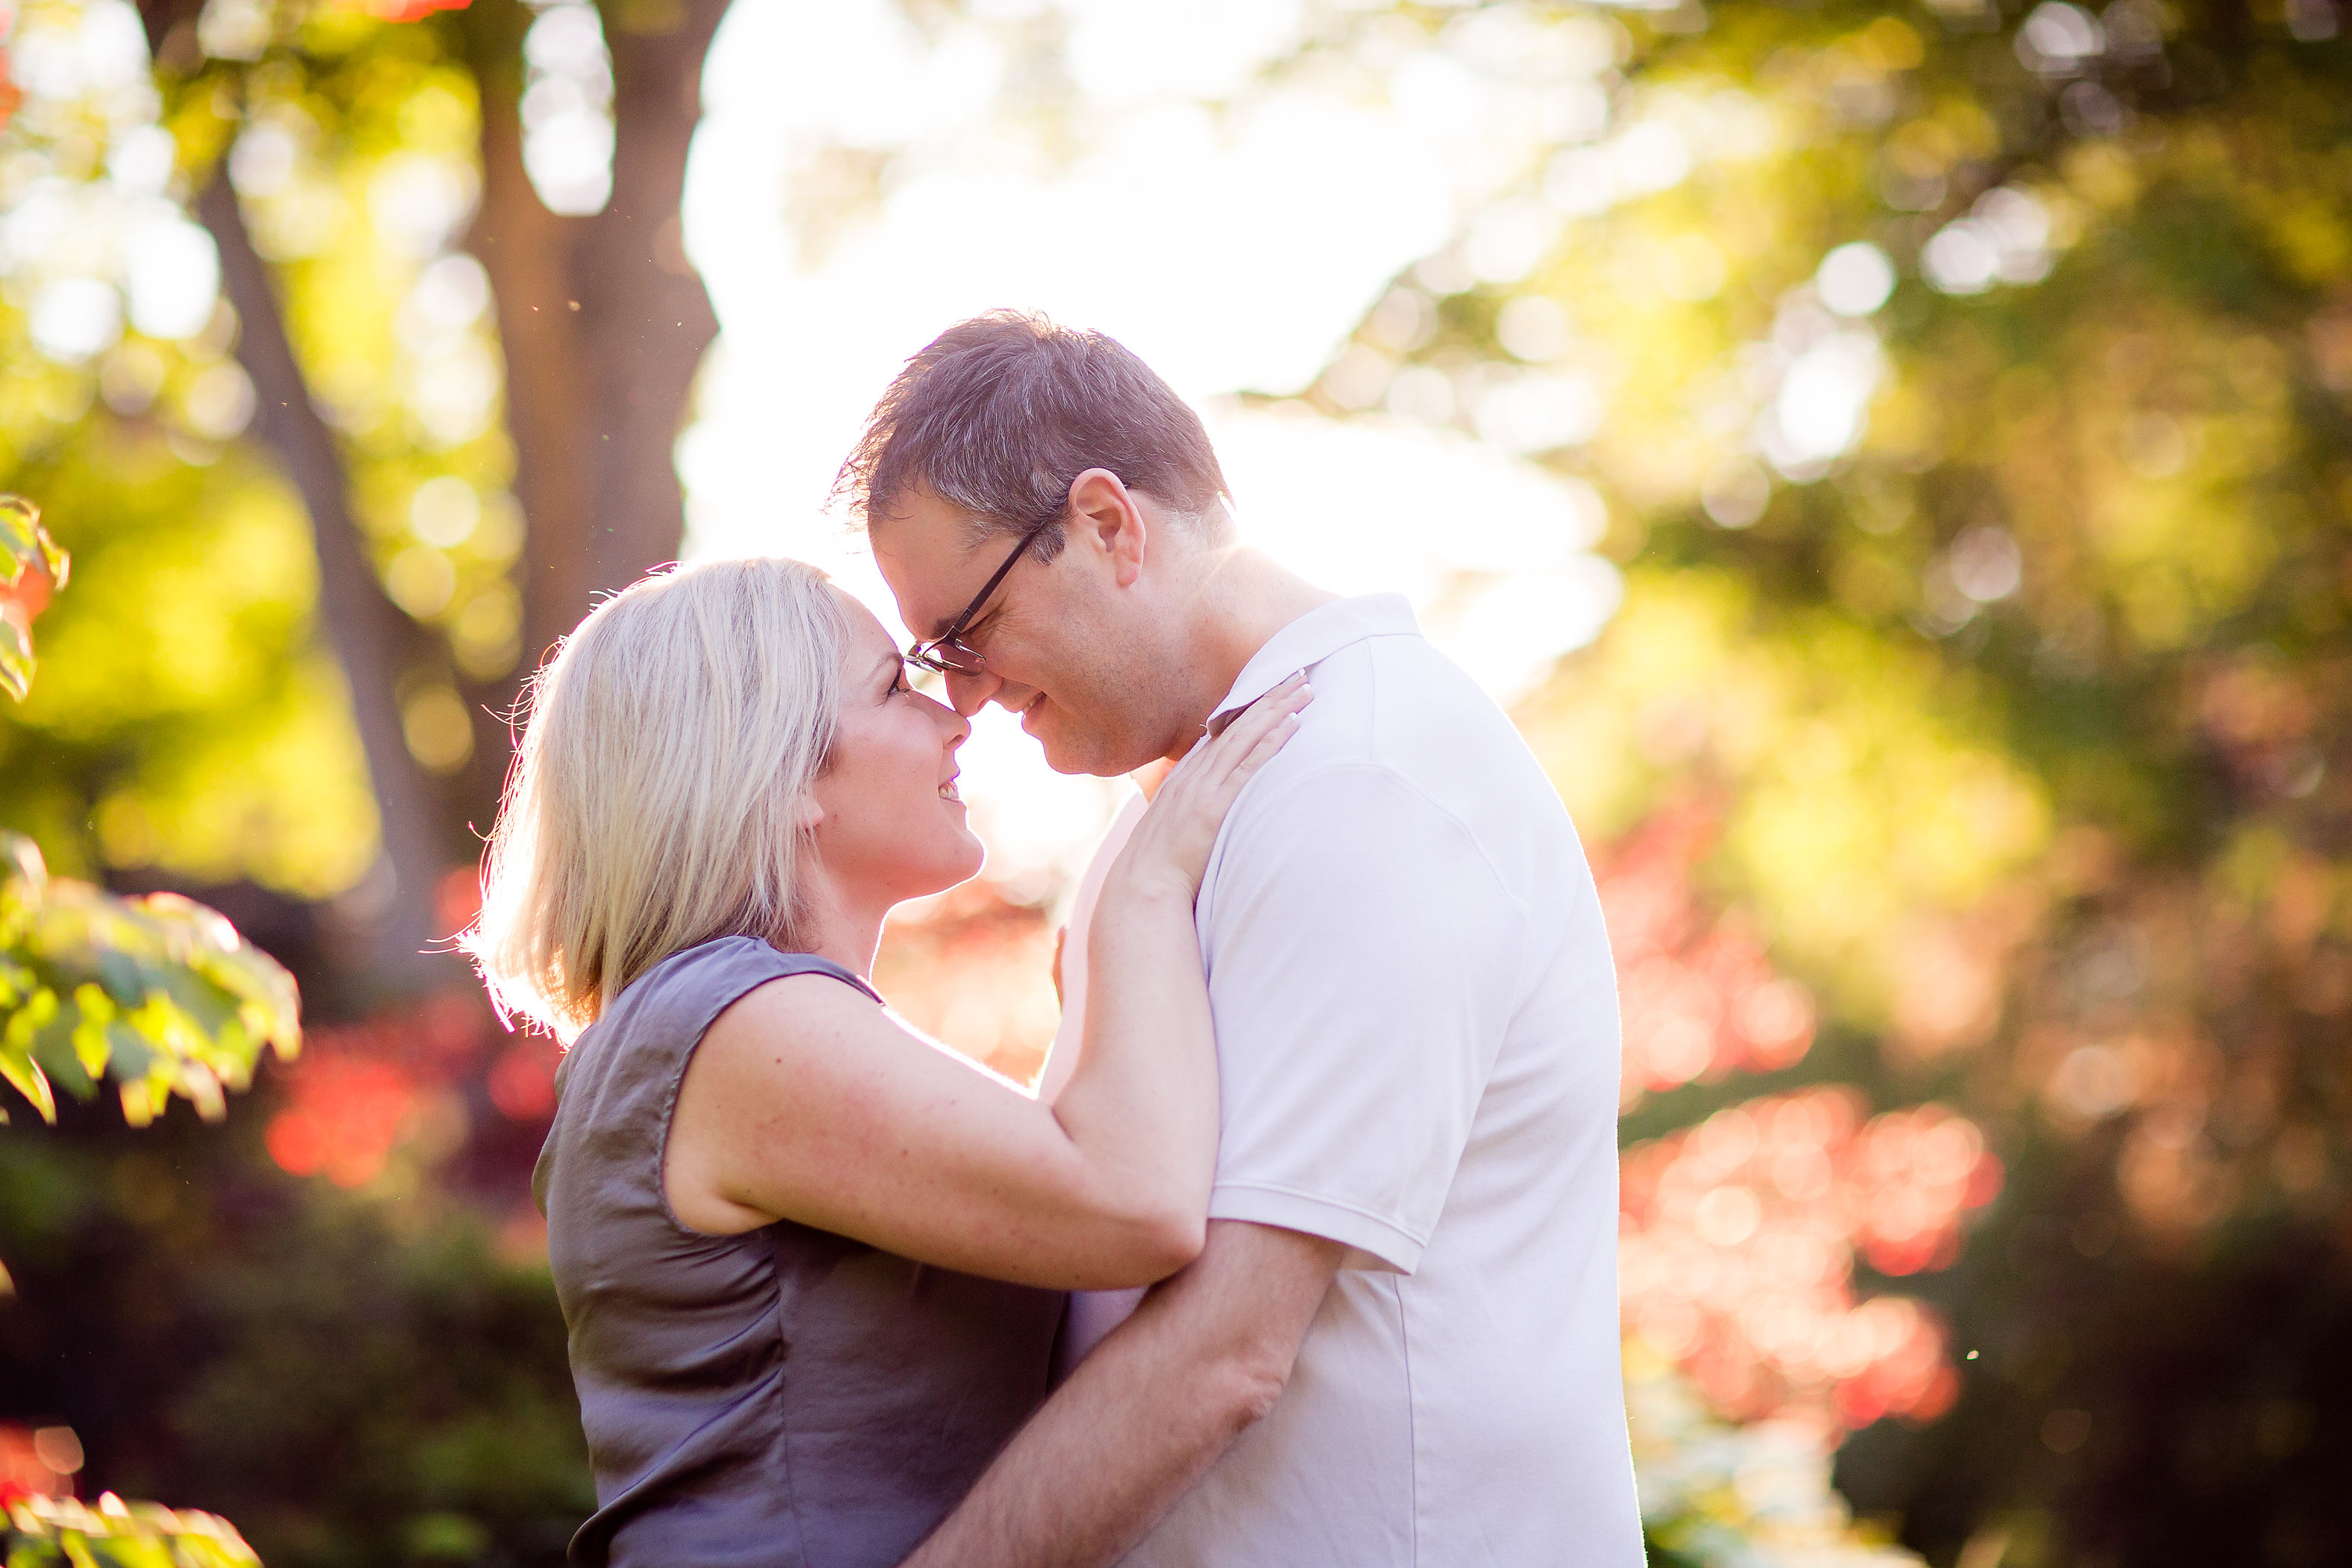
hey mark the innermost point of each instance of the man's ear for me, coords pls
(1108, 515)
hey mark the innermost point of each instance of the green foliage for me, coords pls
(1866, 784)
(32, 567)
(160, 993)
(2000, 603)
(426, 1374)
(1999, 609)
(185, 721)
(62, 1532)
(382, 1381)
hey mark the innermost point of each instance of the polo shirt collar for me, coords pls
(1310, 639)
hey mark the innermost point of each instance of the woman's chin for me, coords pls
(975, 855)
(954, 869)
(952, 866)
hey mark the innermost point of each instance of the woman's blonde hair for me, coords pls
(653, 801)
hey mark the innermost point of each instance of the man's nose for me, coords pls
(967, 694)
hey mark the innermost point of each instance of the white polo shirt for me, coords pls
(1417, 1047)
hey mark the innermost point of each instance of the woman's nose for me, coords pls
(954, 725)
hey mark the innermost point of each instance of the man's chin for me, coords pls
(1065, 752)
(1066, 762)
(1092, 756)
(1075, 750)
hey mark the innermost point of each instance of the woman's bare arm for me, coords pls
(807, 1103)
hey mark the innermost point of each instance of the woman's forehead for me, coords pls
(861, 615)
(868, 637)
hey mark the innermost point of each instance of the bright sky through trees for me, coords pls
(1234, 249)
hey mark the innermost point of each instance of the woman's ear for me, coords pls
(809, 813)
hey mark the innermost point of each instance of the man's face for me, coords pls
(1066, 646)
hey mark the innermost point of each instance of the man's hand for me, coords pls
(1143, 1417)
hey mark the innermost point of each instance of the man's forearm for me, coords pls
(1095, 1468)
(1147, 1413)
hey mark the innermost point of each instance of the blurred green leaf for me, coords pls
(24, 543)
(17, 1065)
(32, 567)
(49, 1532)
(160, 993)
(16, 660)
(91, 1043)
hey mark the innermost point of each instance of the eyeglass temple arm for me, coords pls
(980, 600)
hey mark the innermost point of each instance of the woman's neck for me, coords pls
(840, 930)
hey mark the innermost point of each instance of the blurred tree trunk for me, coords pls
(373, 640)
(603, 321)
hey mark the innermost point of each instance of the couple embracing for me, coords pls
(1304, 1250)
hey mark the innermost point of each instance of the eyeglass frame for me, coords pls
(925, 655)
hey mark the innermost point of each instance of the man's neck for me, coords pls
(1242, 600)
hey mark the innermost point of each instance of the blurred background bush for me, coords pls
(1891, 458)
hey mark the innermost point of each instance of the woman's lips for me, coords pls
(948, 791)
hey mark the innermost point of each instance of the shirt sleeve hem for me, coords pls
(1372, 1242)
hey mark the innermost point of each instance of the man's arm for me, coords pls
(1206, 1354)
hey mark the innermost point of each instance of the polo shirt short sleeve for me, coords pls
(1363, 957)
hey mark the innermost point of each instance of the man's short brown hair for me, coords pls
(999, 414)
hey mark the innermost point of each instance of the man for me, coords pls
(1401, 1343)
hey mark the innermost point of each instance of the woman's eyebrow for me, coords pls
(891, 664)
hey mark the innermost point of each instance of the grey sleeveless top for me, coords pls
(785, 1397)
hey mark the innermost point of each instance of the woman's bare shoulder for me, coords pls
(797, 1011)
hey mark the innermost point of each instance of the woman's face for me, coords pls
(892, 826)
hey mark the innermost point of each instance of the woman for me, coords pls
(812, 1262)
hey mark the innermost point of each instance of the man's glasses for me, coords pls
(948, 654)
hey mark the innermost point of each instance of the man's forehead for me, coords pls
(927, 557)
